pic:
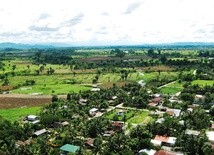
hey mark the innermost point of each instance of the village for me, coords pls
(157, 128)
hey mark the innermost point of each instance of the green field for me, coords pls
(16, 114)
(140, 117)
(127, 113)
(131, 116)
(203, 82)
(155, 75)
(172, 88)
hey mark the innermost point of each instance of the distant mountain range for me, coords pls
(23, 46)
(57, 45)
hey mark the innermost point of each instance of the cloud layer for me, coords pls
(106, 22)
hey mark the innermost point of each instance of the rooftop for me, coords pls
(69, 148)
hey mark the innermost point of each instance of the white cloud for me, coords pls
(106, 21)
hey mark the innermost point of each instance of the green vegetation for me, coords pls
(18, 113)
(203, 82)
(73, 71)
(140, 117)
(172, 88)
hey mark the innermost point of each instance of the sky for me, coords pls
(106, 22)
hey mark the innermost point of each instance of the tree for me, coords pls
(68, 96)
(97, 144)
(54, 98)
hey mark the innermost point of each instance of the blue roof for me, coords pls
(69, 148)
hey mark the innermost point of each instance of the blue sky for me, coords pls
(106, 22)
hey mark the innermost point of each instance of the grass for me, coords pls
(48, 89)
(60, 81)
(163, 75)
(140, 117)
(203, 82)
(131, 116)
(172, 88)
(18, 113)
(127, 113)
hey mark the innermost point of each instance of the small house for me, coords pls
(32, 118)
(147, 151)
(117, 125)
(212, 126)
(83, 101)
(89, 143)
(192, 132)
(114, 97)
(173, 112)
(167, 141)
(108, 133)
(164, 152)
(68, 148)
(39, 132)
(93, 111)
(95, 89)
(120, 113)
(210, 136)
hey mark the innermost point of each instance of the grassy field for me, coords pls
(154, 75)
(49, 89)
(131, 116)
(140, 117)
(128, 114)
(172, 88)
(16, 114)
(45, 84)
(203, 82)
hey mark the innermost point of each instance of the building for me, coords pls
(147, 151)
(164, 152)
(89, 143)
(93, 111)
(95, 89)
(192, 132)
(39, 132)
(173, 112)
(210, 135)
(68, 148)
(117, 125)
(163, 140)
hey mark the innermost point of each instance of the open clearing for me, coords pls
(16, 114)
(172, 88)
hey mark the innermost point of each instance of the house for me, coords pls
(147, 151)
(93, 111)
(173, 112)
(117, 125)
(160, 120)
(151, 104)
(120, 113)
(164, 140)
(60, 124)
(32, 119)
(114, 97)
(210, 136)
(157, 100)
(199, 98)
(212, 126)
(89, 142)
(95, 89)
(108, 133)
(68, 148)
(39, 132)
(192, 132)
(174, 99)
(24, 143)
(83, 101)
(164, 152)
